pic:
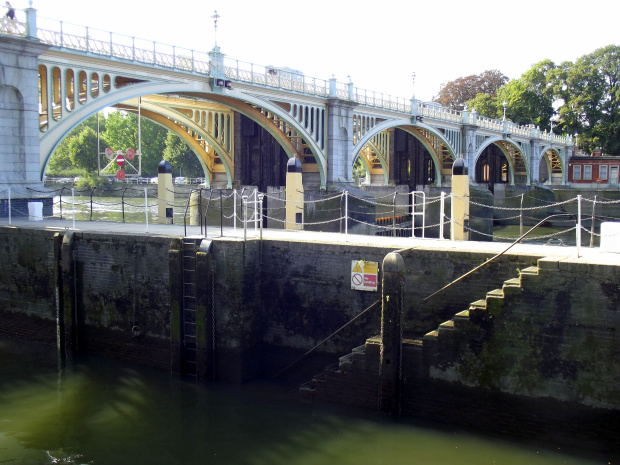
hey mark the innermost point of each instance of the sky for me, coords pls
(379, 44)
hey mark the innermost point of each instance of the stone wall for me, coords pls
(263, 304)
(536, 357)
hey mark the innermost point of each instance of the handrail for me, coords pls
(498, 255)
(207, 210)
(189, 199)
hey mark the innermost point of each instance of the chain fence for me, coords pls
(396, 214)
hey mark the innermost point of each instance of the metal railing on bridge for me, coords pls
(120, 46)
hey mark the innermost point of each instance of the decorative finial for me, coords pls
(413, 78)
(215, 18)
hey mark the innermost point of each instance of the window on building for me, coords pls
(602, 172)
(587, 172)
(613, 174)
(576, 172)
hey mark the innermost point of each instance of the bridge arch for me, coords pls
(551, 157)
(431, 138)
(512, 153)
(266, 114)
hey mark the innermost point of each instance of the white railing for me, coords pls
(15, 27)
(120, 46)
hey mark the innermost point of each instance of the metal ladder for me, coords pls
(188, 313)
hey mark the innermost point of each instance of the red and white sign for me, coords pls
(364, 275)
(130, 154)
(120, 160)
(120, 175)
(109, 153)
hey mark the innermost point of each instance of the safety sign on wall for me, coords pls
(364, 275)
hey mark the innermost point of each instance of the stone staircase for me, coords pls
(354, 380)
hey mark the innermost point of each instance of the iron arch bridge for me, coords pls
(326, 124)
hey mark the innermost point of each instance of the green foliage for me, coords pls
(590, 92)
(182, 159)
(60, 163)
(359, 169)
(122, 134)
(529, 99)
(89, 180)
(83, 150)
(584, 96)
(76, 154)
(486, 105)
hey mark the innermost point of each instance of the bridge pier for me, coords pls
(340, 141)
(20, 169)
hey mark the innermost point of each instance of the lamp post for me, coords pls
(505, 105)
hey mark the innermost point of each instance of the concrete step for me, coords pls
(513, 282)
(496, 294)
(531, 270)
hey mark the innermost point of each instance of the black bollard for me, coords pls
(393, 266)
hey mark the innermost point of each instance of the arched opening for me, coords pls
(259, 159)
(492, 168)
(414, 165)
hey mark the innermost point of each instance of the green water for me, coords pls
(105, 412)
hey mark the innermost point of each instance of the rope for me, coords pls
(327, 338)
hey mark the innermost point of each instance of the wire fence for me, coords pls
(398, 214)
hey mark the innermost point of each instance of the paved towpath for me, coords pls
(592, 255)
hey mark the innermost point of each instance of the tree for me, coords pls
(122, 134)
(590, 93)
(181, 157)
(529, 99)
(486, 105)
(83, 150)
(60, 162)
(455, 93)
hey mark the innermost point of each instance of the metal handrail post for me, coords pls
(9, 206)
(91, 202)
(235, 210)
(578, 233)
(62, 189)
(521, 217)
(73, 205)
(452, 217)
(200, 208)
(346, 212)
(146, 209)
(442, 204)
(244, 203)
(414, 213)
(260, 200)
(394, 215)
(592, 222)
(255, 208)
(123, 203)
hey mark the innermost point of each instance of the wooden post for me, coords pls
(393, 266)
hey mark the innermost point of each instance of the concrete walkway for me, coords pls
(592, 255)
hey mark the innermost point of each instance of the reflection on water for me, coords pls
(104, 412)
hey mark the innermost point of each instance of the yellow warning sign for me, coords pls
(364, 275)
